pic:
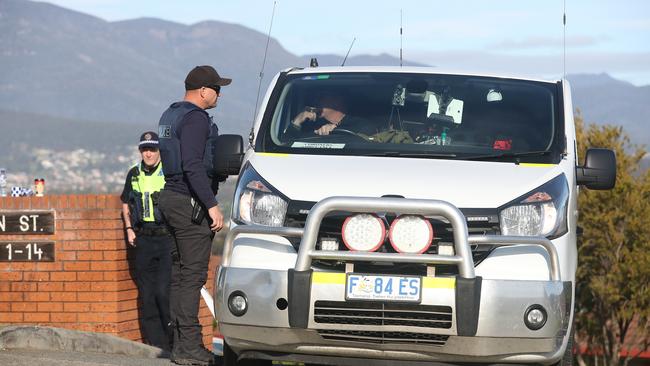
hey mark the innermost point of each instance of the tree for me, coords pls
(613, 277)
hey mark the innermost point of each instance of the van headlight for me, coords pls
(257, 202)
(540, 212)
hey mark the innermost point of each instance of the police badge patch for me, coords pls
(165, 131)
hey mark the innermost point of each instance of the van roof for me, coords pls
(412, 70)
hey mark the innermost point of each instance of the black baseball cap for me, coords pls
(205, 75)
(148, 139)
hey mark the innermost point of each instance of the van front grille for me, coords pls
(371, 313)
(383, 337)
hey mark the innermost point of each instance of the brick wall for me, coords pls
(89, 286)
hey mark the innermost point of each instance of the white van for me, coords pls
(404, 216)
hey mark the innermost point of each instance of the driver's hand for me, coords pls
(325, 129)
(303, 116)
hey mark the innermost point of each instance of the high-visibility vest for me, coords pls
(146, 186)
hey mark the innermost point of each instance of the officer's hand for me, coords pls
(325, 129)
(217, 218)
(130, 237)
(304, 115)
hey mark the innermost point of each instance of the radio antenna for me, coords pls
(564, 41)
(400, 38)
(266, 50)
(346, 55)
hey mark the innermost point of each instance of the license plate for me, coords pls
(383, 288)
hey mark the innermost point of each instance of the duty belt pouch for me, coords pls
(198, 212)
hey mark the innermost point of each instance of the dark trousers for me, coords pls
(153, 274)
(190, 257)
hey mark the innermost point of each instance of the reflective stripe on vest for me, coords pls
(147, 185)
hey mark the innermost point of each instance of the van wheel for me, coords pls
(230, 358)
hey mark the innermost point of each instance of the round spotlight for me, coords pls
(535, 317)
(411, 234)
(237, 303)
(363, 232)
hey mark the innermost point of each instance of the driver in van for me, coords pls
(330, 114)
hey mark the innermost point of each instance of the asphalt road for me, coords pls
(22, 357)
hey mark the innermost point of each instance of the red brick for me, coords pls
(91, 201)
(104, 286)
(24, 286)
(5, 307)
(127, 295)
(76, 266)
(36, 276)
(11, 276)
(129, 324)
(76, 307)
(127, 305)
(36, 317)
(23, 266)
(89, 296)
(50, 306)
(103, 265)
(89, 234)
(11, 317)
(105, 328)
(129, 314)
(73, 225)
(103, 307)
(64, 317)
(126, 285)
(50, 286)
(62, 202)
(5, 286)
(66, 235)
(97, 317)
(12, 296)
(113, 255)
(76, 286)
(76, 245)
(66, 256)
(90, 276)
(111, 225)
(89, 255)
(63, 276)
(23, 306)
(51, 266)
(85, 327)
(37, 296)
(109, 245)
(63, 296)
(101, 201)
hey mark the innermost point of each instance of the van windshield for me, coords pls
(414, 115)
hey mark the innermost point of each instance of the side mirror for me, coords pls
(228, 154)
(599, 171)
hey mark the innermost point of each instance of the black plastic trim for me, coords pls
(468, 301)
(299, 294)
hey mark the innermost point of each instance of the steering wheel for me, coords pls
(343, 131)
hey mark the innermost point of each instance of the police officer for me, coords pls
(189, 205)
(148, 234)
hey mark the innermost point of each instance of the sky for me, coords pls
(524, 37)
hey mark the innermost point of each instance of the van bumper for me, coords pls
(269, 328)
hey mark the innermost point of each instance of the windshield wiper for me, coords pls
(506, 155)
(412, 154)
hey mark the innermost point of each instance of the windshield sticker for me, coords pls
(316, 77)
(318, 145)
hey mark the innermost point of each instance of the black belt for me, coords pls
(153, 231)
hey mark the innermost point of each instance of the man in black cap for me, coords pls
(189, 205)
(148, 235)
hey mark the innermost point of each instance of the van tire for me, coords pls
(230, 358)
